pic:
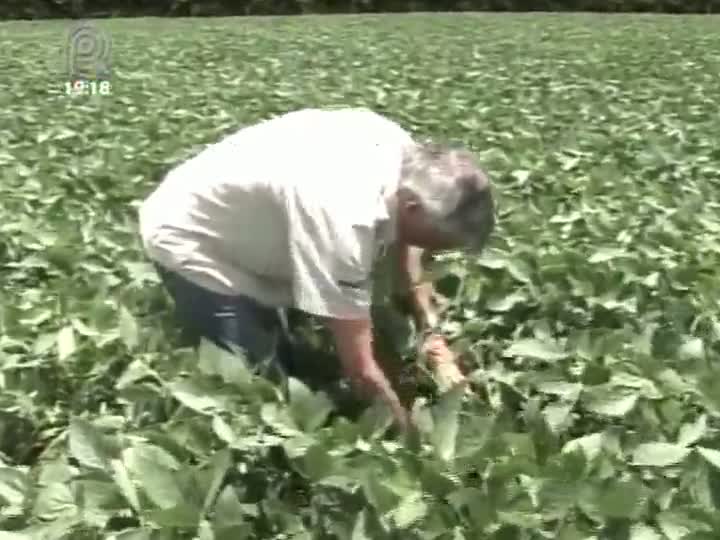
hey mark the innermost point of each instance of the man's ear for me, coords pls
(412, 206)
(408, 200)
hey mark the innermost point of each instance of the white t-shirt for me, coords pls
(291, 211)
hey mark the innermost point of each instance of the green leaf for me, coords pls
(66, 343)
(692, 433)
(360, 529)
(214, 360)
(607, 254)
(691, 349)
(135, 371)
(317, 463)
(14, 536)
(195, 397)
(125, 484)
(446, 422)
(13, 487)
(378, 494)
(608, 400)
(152, 470)
(94, 498)
(55, 501)
(534, 348)
(506, 303)
(221, 463)
(590, 445)
(132, 534)
(710, 455)
(565, 390)
(205, 531)
(309, 410)
(410, 510)
(228, 510)
(180, 515)
(643, 532)
(88, 446)
(659, 454)
(128, 329)
(223, 430)
(621, 499)
(677, 525)
(557, 416)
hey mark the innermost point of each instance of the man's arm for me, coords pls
(420, 294)
(353, 341)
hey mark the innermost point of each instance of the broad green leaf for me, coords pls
(195, 397)
(533, 348)
(317, 462)
(410, 510)
(221, 463)
(228, 510)
(151, 469)
(87, 445)
(621, 499)
(565, 390)
(378, 493)
(55, 501)
(607, 254)
(591, 445)
(643, 532)
(506, 303)
(692, 348)
(446, 422)
(233, 369)
(677, 525)
(223, 430)
(181, 515)
(710, 455)
(95, 498)
(692, 433)
(359, 531)
(128, 328)
(131, 534)
(309, 410)
(659, 454)
(125, 484)
(13, 487)
(205, 531)
(235, 532)
(66, 342)
(135, 371)
(56, 472)
(607, 400)
(557, 416)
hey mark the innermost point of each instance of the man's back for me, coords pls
(236, 217)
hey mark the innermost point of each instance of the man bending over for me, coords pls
(293, 212)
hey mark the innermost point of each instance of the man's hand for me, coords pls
(353, 341)
(442, 361)
(422, 296)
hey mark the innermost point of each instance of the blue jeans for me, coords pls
(229, 321)
(240, 321)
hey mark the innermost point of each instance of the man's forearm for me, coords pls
(420, 294)
(353, 341)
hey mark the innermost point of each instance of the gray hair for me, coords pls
(453, 190)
